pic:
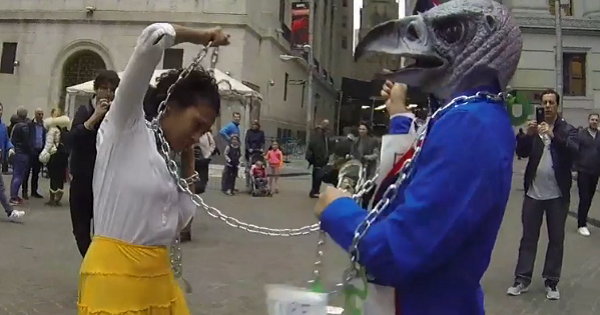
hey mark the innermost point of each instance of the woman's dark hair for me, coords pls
(199, 84)
(367, 125)
(106, 77)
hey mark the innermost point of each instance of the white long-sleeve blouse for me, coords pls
(135, 198)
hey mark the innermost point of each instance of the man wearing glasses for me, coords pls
(83, 156)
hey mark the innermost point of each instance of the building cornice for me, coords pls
(531, 23)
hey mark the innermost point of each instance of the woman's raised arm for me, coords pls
(127, 107)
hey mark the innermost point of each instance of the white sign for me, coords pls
(288, 300)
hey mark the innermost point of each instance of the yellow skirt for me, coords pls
(118, 278)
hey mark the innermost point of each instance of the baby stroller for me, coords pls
(259, 183)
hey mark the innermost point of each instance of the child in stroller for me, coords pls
(259, 179)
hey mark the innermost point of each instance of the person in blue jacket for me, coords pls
(232, 128)
(427, 250)
(436, 239)
(7, 150)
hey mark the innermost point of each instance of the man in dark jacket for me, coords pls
(21, 140)
(317, 155)
(38, 140)
(551, 147)
(588, 170)
(255, 146)
(255, 140)
(83, 156)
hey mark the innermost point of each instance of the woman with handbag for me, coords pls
(55, 155)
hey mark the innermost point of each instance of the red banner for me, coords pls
(300, 27)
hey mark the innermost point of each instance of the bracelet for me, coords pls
(192, 179)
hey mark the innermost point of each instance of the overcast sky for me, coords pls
(358, 4)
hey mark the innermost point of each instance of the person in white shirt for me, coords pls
(138, 211)
(203, 151)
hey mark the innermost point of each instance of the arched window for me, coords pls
(83, 66)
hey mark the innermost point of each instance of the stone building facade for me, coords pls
(50, 44)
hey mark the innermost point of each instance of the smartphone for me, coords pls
(540, 115)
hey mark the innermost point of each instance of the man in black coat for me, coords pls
(317, 155)
(552, 146)
(83, 156)
(588, 170)
(38, 140)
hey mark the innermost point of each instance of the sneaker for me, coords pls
(15, 202)
(517, 288)
(583, 231)
(552, 292)
(16, 215)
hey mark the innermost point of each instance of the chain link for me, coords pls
(391, 192)
(164, 150)
(363, 188)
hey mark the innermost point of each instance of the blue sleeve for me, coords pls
(7, 143)
(435, 217)
(400, 125)
(225, 131)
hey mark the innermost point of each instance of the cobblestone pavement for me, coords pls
(229, 267)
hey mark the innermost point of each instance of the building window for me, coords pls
(344, 42)
(344, 21)
(345, 3)
(173, 58)
(9, 56)
(285, 86)
(566, 11)
(282, 11)
(574, 69)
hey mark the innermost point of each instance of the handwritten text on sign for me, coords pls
(287, 300)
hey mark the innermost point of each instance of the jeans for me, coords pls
(316, 180)
(586, 184)
(3, 199)
(20, 169)
(532, 217)
(229, 176)
(201, 166)
(81, 202)
(35, 166)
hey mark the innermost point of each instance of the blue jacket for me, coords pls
(5, 144)
(229, 130)
(436, 239)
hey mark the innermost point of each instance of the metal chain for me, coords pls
(391, 192)
(164, 150)
(363, 187)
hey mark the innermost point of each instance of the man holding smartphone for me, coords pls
(551, 145)
(83, 156)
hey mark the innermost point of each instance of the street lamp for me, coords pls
(558, 6)
(309, 84)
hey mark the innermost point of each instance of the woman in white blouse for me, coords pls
(138, 210)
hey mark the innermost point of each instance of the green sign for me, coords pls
(520, 107)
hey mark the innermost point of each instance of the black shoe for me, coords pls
(314, 196)
(185, 236)
(36, 195)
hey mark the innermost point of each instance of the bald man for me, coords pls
(317, 155)
(38, 138)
